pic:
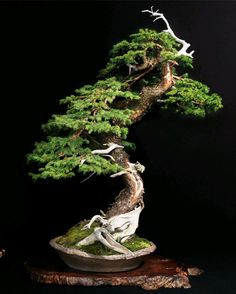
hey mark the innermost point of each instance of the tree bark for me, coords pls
(132, 194)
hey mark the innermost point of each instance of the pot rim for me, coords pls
(78, 252)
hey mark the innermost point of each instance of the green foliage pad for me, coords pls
(96, 110)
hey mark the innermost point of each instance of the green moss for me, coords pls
(76, 234)
(98, 249)
(137, 243)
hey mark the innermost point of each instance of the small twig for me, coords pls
(87, 178)
(76, 134)
(137, 78)
(92, 139)
(160, 101)
(177, 77)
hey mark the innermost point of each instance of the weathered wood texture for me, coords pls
(154, 273)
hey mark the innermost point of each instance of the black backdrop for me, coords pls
(50, 48)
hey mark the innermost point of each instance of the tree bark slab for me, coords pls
(155, 272)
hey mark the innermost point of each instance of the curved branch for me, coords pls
(111, 146)
(123, 172)
(183, 50)
(140, 76)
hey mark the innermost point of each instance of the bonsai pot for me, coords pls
(83, 261)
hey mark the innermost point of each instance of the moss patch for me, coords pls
(76, 234)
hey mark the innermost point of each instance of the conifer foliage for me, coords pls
(107, 107)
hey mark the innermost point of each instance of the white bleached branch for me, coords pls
(133, 168)
(183, 50)
(82, 161)
(111, 146)
(109, 156)
(104, 152)
(123, 172)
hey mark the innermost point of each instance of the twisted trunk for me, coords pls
(132, 194)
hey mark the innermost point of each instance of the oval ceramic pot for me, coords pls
(83, 261)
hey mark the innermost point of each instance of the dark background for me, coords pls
(48, 49)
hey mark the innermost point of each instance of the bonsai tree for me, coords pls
(91, 137)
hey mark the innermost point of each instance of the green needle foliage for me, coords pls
(89, 113)
(96, 110)
(192, 98)
(146, 43)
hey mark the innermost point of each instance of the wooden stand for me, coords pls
(154, 273)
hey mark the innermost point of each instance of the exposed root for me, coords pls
(113, 231)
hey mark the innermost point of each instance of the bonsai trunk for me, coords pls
(132, 194)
